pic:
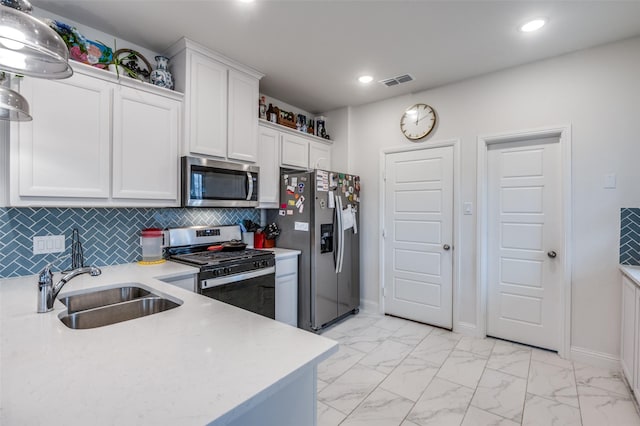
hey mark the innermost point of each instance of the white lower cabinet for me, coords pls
(630, 335)
(287, 290)
(96, 141)
(187, 282)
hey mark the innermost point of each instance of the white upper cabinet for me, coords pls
(146, 134)
(206, 106)
(221, 98)
(64, 151)
(96, 141)
(294, 151)
(319, 156)
(268, 154)
(243, 121)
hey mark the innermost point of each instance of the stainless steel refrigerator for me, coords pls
(319, 215)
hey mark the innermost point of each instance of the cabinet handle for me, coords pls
(446, 246)
(552, 254)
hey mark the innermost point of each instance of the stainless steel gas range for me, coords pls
(229, 272)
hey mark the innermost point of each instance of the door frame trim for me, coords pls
(563, 133)
(455, 144)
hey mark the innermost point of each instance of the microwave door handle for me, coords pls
(249, 186)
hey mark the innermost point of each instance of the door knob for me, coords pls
(552, 254)
(446, 246)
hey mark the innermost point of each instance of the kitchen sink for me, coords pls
(81, 301)
(111, 305)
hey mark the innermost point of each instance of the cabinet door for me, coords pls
(64, 151)
(628, 334)
(319, 156)
(269, 185)
(243, 117)
(635, 363)
(145, 145)
(287, 299)
(294, 151)
(207, 106)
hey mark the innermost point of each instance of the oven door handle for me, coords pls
(214, 282)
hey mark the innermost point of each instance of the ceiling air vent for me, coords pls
(394, 81)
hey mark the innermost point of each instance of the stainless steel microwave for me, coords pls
(210, 183)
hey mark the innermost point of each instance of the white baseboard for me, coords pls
(369, 306)
(595, 358)
(466, 328)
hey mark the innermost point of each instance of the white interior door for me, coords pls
(525, 236)
(418, 228)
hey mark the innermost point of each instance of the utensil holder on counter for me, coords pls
(258, 240)
(249, 239)
(269, 243)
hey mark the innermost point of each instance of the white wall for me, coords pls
(597, 92)
(338, 128)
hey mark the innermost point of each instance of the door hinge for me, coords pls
(384, 234)
(384, 292)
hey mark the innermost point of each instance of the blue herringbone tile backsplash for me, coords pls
(108, 236)
(630, 236)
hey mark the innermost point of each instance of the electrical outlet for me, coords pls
(48, 244)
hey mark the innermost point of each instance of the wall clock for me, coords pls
(417, 121)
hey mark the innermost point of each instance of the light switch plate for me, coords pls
(467, 207)
(610, 181)
(48, 244)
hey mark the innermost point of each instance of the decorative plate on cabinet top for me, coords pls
(80, 48)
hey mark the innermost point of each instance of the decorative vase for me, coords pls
(161, 76)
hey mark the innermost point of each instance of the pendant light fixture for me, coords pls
(27, 47)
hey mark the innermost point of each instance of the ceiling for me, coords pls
(312, 51)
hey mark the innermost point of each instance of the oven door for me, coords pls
(210, 183)
(254, 291)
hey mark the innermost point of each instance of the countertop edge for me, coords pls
(631, 272)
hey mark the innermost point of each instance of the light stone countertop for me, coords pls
(203, 362)
(633, 272)
(283, 253)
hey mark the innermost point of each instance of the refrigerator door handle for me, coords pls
(335, 239)
(341, 232)
(338, 233)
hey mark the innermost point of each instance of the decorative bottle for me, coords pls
(161, 76)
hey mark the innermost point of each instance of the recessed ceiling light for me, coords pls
(365, 79)
(533, 25)
(246, 1)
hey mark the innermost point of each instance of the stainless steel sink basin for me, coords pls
(82, 301)
(114, 304)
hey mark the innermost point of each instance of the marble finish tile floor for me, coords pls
(393, 372)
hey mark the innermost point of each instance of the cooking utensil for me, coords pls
(214, 248)
(234, 245)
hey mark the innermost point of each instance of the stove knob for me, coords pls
(227, 270)
(263, 263)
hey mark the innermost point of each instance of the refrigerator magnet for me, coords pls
(283, 206)
(296, 196)
(281, 212)
(301, 226)
(301, 208)
(289, 212)
(291, 188)
(292, 202)
(294, 181)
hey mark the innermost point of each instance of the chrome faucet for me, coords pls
(47, 292)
